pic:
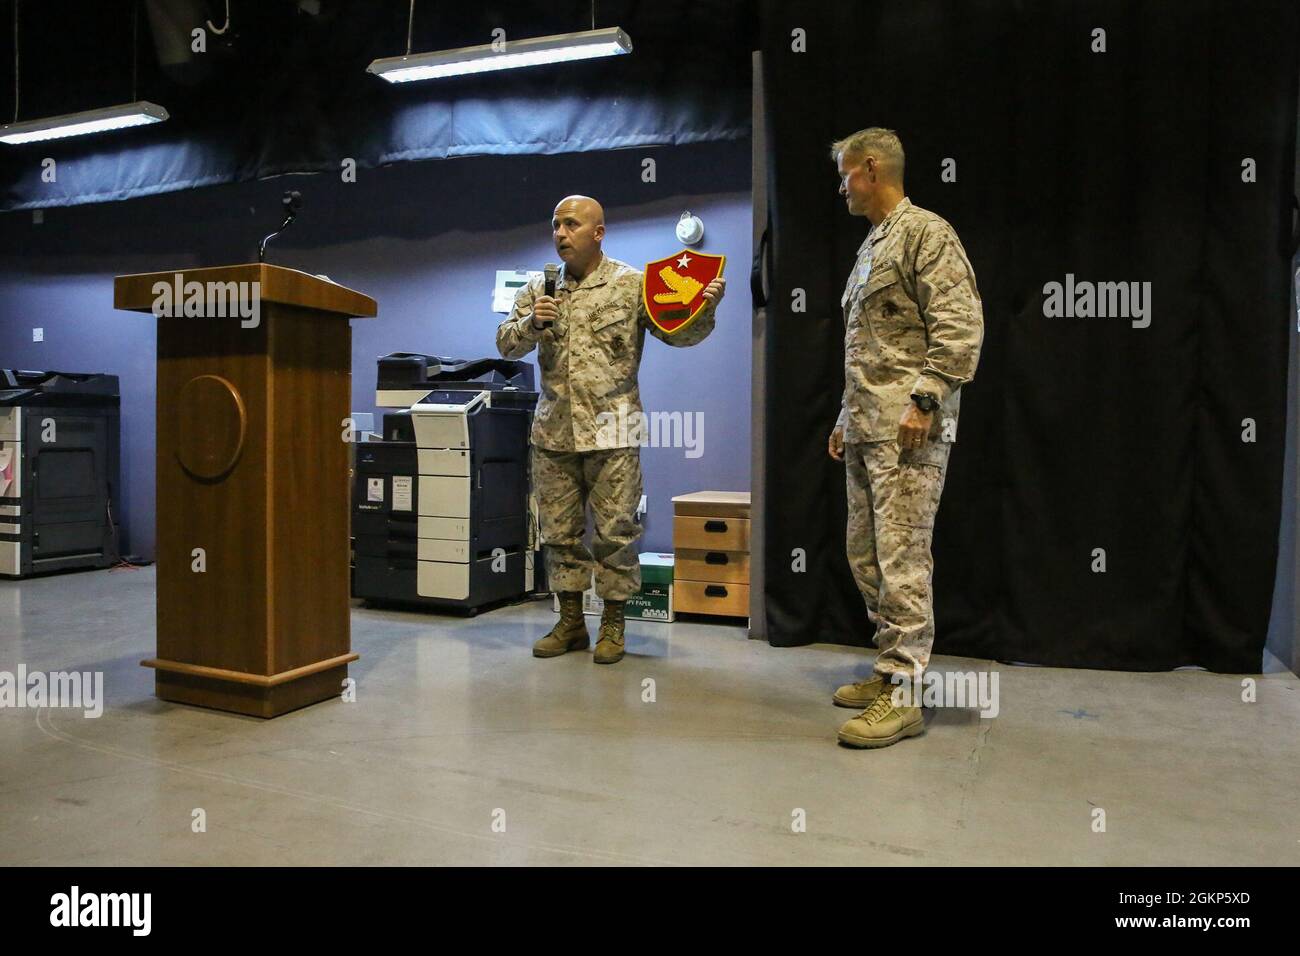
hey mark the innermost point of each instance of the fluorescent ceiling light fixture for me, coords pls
(139, 113)
(560, 48)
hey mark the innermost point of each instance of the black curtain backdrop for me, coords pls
(1077, 433)
(286, 92)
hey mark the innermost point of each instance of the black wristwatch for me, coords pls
(925, 403)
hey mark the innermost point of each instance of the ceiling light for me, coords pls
(560, 48)
(138, 113)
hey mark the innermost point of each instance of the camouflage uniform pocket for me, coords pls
(610, 327)
(882, 276)
(915, 496)
(906, 484)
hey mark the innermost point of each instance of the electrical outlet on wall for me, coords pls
(38, 335)
(641, 508)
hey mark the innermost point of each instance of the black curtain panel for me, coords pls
(1113, 499)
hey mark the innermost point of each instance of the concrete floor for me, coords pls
(455, 721)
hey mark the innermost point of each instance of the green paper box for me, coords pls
(654, 602)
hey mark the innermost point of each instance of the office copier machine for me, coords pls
(59, 461)
(441, 513)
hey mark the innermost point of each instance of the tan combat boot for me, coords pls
(882, 723)
(609, 649)
(860, 694)
(569, 633)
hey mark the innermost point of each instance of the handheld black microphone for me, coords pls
(550, 275)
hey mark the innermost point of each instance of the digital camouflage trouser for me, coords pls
(892, 504)
(610, 481)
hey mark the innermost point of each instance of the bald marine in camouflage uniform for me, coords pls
(586, 432)
(913, 329)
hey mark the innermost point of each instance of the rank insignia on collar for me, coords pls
(674, 286)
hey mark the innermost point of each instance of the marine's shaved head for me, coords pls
(586, 207)
(578, 227)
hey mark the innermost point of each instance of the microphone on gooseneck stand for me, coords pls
(291, 202)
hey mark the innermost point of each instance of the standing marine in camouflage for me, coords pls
(913, 328)
(587, 429)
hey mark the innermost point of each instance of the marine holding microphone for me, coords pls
(589, 335)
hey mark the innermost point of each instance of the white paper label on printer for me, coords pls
(402, 492)
(6, 470)
(375, 489)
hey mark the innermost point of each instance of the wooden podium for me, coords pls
(252, 468)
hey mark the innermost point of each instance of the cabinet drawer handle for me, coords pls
(715, 557)
(715, 527)
(715, 590)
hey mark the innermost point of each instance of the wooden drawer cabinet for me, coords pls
(730, 567)
(711, 534)
(711, 543)
(703, 597)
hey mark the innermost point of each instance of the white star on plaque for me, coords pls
(683, 262)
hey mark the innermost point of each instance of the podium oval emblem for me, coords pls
(211, 422)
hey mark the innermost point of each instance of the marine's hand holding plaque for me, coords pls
(715, 290)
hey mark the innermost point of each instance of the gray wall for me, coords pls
(424, 240)
(1281, 642)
